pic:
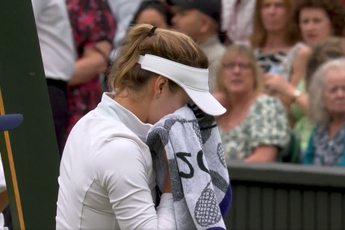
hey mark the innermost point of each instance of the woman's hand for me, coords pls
(278, 84)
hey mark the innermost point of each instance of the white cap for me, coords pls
(193, 80)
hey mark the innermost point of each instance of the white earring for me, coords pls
(158, 95)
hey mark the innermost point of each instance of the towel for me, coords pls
(200, 180)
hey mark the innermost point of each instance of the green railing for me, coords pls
(286, 196)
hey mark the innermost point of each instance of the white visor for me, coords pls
(193, 80)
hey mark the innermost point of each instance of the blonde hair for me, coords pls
(248, 53)
(318, 110)
(126, 73)
(259, 35)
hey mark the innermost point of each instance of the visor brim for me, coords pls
(206, 102)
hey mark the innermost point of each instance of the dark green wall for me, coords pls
(24, 91)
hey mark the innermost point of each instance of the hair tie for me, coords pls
(152, 31)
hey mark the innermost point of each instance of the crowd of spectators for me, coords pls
(276, 65)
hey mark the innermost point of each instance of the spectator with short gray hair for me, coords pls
(327, 105)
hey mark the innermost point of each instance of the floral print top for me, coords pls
(92, 22)
(265, 124)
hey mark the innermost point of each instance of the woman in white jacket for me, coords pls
(106, 175)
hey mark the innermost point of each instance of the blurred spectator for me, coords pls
(327, 105)
(255, 126)
(93, 29)
(331, 48)
(319, 19)
(153, 12)
(58, 56)
(276, 40)
(200, 20)
(123, 12)
(237, 20)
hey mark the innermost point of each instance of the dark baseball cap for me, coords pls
(212, 8)
(10, 121)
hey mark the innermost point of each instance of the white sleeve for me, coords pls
(122, 170)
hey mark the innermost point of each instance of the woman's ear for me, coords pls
(160, 84)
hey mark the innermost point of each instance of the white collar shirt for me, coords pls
(106, 176)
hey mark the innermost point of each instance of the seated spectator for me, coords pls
(152, 12)
(319, 19)
(276, 42)
(200, 20)
(331, 48)
(255, 126)
(93, 29)
(327, 105)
